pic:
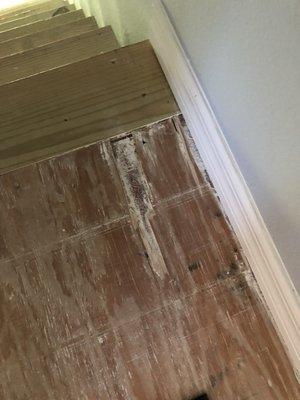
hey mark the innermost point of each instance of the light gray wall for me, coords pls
(247, 56)
(127, 17)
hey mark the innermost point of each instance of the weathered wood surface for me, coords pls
(57, 54)
(5, 26)
(22, 10)
(88, 310)
(81, 103)
(38, 39)
(42, 25)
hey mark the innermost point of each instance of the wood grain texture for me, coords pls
(57, 54)
(84, 312)
(22, 10)
(42, 25)
(72, 106)
(38, 39)
(5, 26)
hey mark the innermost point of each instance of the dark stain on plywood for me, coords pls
(121, 279)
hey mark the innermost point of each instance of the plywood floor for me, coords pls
(121, 279)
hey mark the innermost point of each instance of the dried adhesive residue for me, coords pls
(138, 197)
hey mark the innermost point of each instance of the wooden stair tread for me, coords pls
(37, 39)
(79, 104)
(30, 10)
(16, 8)
(42, 25)
(35, 17)
(57, 54)
(22, 7)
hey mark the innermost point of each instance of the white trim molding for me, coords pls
(275, 284)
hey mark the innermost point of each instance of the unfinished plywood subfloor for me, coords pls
(121, 279)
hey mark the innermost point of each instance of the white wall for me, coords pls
(128, 17)
(247, 56)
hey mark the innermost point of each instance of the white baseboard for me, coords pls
(271, 275)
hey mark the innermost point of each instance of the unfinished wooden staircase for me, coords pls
(120, 276)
